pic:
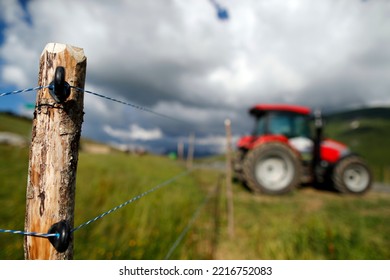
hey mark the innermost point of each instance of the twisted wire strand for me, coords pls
(189, 225)
(35, 234)
(133, 105)
(167, 182)
(22, 90)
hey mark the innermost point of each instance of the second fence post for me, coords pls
(229, 189)
(54, 150)
(191, 149)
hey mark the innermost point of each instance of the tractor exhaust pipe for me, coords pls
(318, 124)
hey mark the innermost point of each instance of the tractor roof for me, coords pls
(259, 108)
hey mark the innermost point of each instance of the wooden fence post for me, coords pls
(229, 189)
(54, 151)
(180, 150)
(191, 149)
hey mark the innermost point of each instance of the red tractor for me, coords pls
(287, 149)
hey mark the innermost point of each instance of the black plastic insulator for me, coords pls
(61, 242)
(59, 89)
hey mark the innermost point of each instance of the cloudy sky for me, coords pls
(178, 58)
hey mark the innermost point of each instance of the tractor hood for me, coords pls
(246, 142)
(332, 151)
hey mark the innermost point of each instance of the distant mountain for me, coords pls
(367, 113)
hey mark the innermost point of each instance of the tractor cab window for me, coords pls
(288, 124)
(302, 126)
(282, 123)
(260, 127)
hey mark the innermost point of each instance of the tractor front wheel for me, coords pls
(272, 168)
(351, 175)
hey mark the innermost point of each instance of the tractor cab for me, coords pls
(289, 121)
(285, 123)
(287, 148)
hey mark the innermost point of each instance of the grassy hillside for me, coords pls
(306, 224)
(367, 132)
(15, 124)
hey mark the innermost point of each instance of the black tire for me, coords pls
(352, 175)
(272, 168)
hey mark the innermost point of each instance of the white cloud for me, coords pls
(135, 132)
(10, 11)
(238, 77)
(14, 75)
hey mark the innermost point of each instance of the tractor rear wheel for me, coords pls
(272, 168)
(352, 175)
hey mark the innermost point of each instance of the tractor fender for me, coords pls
(251, 142)
(248, 143)
(269, 138)
(331, 165)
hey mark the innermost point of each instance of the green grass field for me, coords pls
(306, 224)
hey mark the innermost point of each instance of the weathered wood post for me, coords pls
(180, 150)
(229, 189)
(54, 151)
(191, 149)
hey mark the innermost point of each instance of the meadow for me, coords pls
(305, 224)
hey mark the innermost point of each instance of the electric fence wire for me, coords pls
(22, 90)
(189, 225)
(35, 234)
(163, 184)
(133, 105)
